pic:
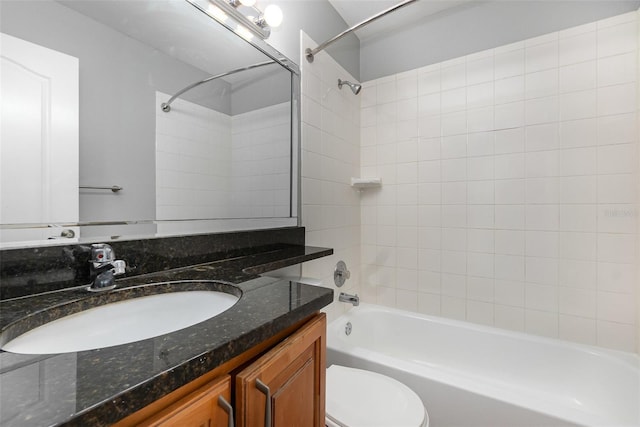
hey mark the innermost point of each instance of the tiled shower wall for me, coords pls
(261, 162)
(212, 165)
(509, 193)
(330, 157)
(193, 149)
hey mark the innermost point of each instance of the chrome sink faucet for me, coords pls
(351, 299)
(103, 267)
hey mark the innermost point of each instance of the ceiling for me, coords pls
(355, 11)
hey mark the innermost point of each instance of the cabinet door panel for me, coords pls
(293, 403)
(199, 409)
(294, 371)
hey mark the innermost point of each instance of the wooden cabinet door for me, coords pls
(294, 373)
(199, 409)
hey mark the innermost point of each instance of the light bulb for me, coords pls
(248, 3)
(273, 15)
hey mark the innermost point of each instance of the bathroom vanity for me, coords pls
(283, 386)
(273, 336)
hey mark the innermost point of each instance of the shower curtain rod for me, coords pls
(166, 106)
(309, 53)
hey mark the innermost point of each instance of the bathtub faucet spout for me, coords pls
(352, 299)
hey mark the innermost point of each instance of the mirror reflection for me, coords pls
(86, 140)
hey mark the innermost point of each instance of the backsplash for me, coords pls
(509, 193)
(41, 269)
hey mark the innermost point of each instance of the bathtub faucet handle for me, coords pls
(341, 274)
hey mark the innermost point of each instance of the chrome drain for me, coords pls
(347, 328)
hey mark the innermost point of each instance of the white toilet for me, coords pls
(359, 398)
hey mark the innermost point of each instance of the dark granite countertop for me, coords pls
(100, 387)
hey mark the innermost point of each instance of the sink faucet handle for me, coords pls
(102, 253)
(119, 267)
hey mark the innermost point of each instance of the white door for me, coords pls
(38, 134)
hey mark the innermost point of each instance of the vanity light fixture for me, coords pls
(249, 16)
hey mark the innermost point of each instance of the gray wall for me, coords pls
(473, 28)
(118, 80)
(320, 21)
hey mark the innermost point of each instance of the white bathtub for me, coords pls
(471, 375)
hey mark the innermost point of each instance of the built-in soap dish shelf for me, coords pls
(362, 183)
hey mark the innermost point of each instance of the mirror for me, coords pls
(222, 157)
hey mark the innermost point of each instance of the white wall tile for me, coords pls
(616, 248)
(480, 192)
(480, 70)
(509, 166)
(509, 293)
(453, 147)
(580, 76)
(619, 158)
(617, 129)
(480, 144)
(578, 161)
(479, 95)
(510, 267)
(541, 323)
(541, 84)
(617, 99)
(509, 115)
(618, 336)
(542, 217)
(580, 218)
(617, 39)
(509, 141)
(617, 188)
(480, 216)
(541, 57)
(453, 76)
(615, 277)
(542, 164)
(577, 329)
(542, 137)
(541, 110)
(577, 245)
(509, 242)
(480, 312)
(614, 307)
(480, 240)
(578, 48)
(543, 271)
(510, 217)
(508, 90)
(578, 189)
(577, 274)
(509, 63)
(480, 264)
(480, 168)
(511, 318)
(578, 133)
(618, 69)
(428, 82)
(510, 191)
(578, 105)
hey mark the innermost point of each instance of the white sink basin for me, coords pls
(122, 322)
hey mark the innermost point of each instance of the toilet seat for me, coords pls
(359, 398)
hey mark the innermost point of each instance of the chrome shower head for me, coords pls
(355, 88)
